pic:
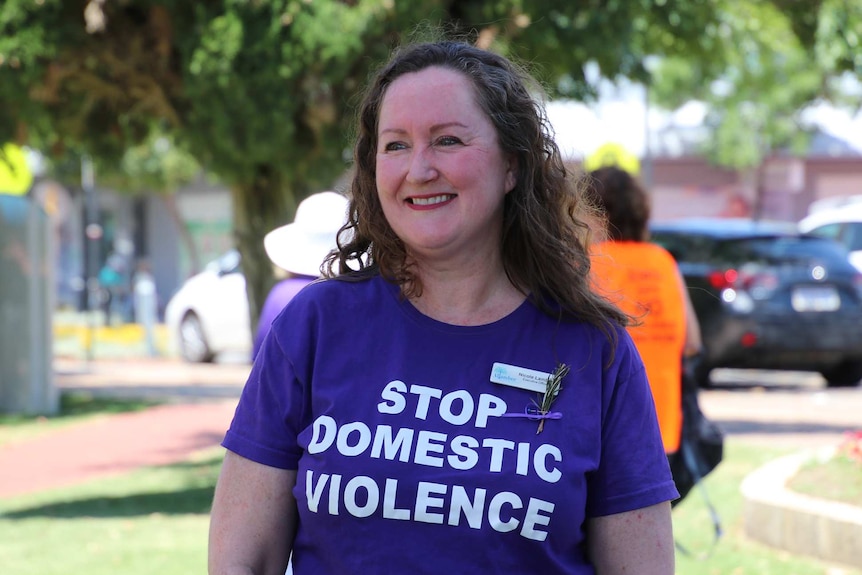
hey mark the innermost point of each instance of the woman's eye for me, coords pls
(393, 146)
(448, 141)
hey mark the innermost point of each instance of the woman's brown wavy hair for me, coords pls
(544, 239)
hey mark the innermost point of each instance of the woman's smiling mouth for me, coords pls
(430, 200)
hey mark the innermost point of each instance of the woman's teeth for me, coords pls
(432, 200)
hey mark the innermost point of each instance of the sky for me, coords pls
(620, 117)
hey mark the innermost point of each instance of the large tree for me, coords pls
(262, 92)
(776, 59)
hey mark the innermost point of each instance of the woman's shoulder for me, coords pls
(332, 305)
(611, 338)
(338, 294)
(341, 286)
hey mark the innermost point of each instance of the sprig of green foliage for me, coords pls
(552, 388)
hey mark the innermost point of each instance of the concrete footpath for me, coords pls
(198, 405)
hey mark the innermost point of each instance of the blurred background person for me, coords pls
(114, 288)
(146, 303)
(643, 279)
(736, 206)
(298, 250)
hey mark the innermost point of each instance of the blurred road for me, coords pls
(787, 409)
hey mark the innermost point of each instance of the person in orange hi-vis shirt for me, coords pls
(643, 280)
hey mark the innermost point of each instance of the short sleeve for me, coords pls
(633, 471)
(265, 424)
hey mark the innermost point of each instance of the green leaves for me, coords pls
(838, 38)
(262, 92)
(219, 45)
(766, 66)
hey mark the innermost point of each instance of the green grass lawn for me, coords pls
(735, 554)
(155, 521)
(839, 478)
(151, 521)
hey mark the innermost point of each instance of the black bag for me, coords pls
(701, 446)
(701, 449)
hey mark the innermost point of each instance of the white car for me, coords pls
(841, 222)
(209, 316)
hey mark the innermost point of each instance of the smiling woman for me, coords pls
(408, 398)
(441, 175)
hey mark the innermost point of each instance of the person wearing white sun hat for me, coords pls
(299, 249)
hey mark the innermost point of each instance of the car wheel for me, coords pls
(193, 342)
(845, 374)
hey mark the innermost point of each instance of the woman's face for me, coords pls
(441, 174)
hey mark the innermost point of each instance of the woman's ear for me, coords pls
(511, 172)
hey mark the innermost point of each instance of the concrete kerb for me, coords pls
(798, 523)
(152, 379)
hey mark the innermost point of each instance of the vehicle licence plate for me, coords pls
(815, 298)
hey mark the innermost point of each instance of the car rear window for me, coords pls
(684, 248)
(778, 249)
(763, 249)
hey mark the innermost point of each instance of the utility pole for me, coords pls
(93, 233)
(647, 164)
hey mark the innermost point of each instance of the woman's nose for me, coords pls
(422, 168)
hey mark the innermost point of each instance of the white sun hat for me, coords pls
(300, 247)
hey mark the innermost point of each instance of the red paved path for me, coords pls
(120, 443)
(203, 397)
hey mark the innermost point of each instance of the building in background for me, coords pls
(176, 235)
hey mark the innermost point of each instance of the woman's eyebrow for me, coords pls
(434, 128)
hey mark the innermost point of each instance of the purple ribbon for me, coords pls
(534, 414)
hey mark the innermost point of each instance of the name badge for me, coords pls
(520, 377)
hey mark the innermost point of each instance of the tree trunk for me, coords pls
(170, 202)
(759, 190)
(259, 207)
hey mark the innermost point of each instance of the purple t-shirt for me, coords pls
(410, 458)
(278, 296)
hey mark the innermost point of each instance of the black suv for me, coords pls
(768, 297)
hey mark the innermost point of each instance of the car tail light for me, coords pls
(723, 279)
(759, 284)
(748, 339)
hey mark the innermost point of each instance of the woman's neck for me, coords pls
(475, 295)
